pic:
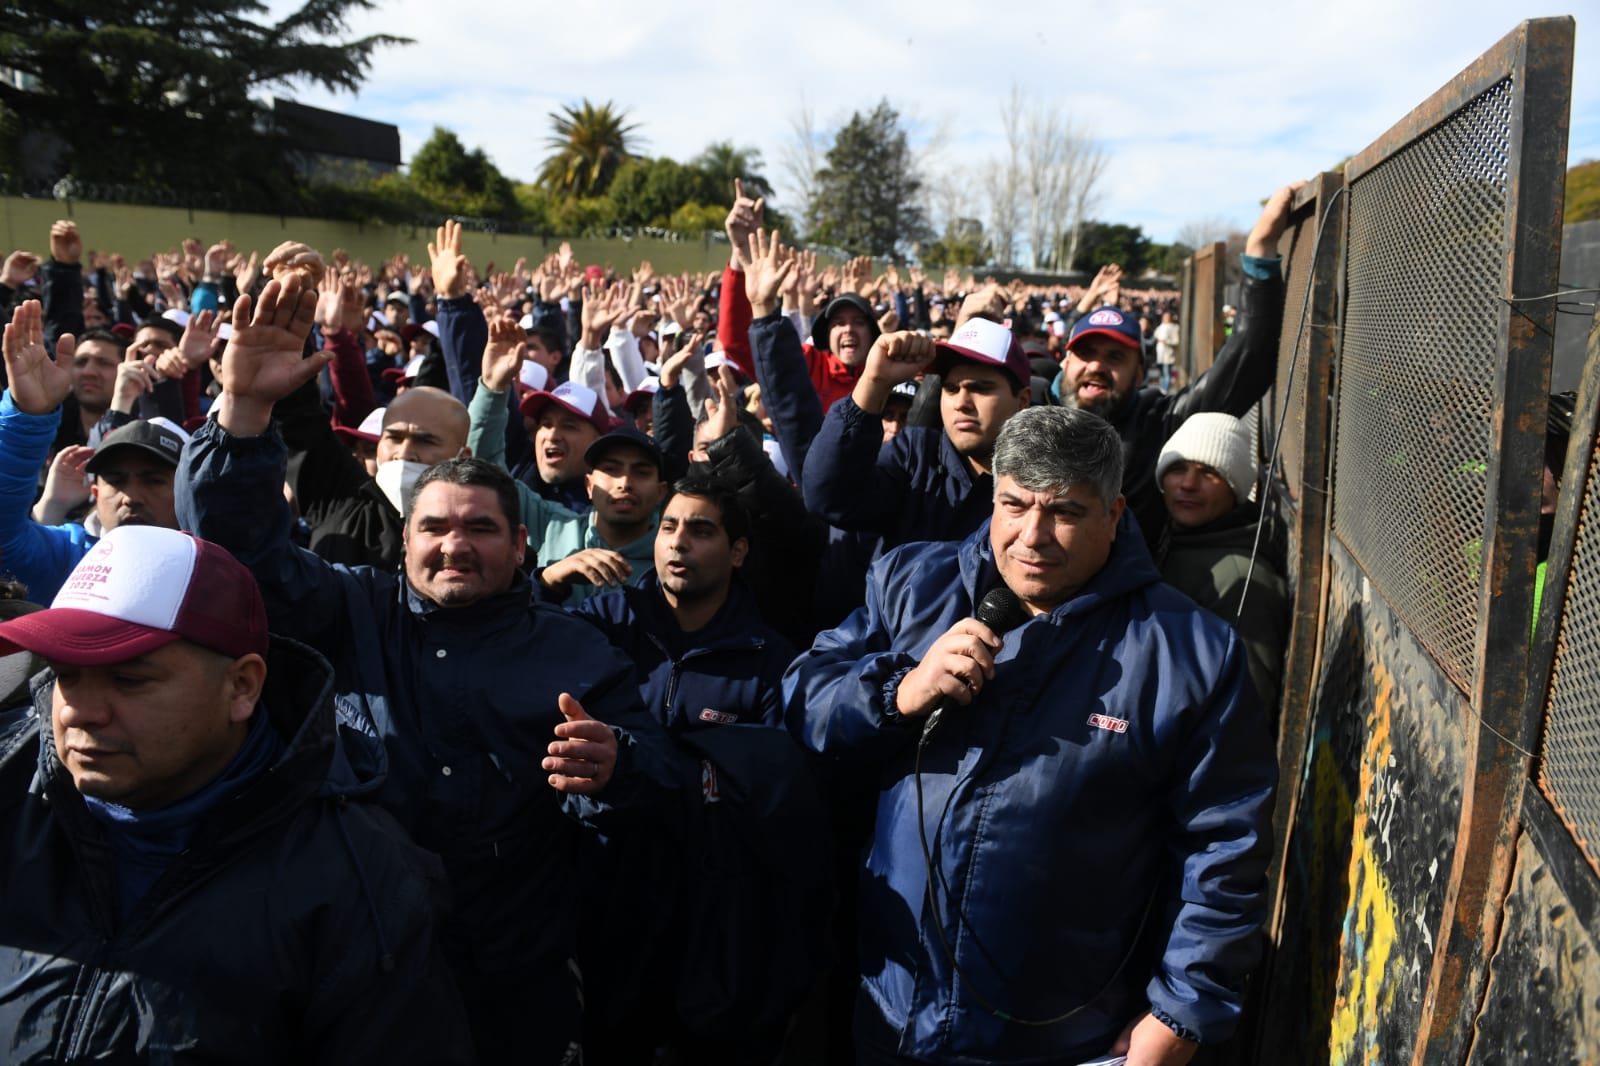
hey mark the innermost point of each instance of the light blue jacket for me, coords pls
(39, 556)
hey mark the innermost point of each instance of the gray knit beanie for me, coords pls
(1220, 441)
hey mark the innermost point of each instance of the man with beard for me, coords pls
(923, 484)
(1104, 369)
(132, 468)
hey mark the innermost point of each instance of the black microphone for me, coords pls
(1002, 612)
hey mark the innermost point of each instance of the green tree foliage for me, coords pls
(589, 144)
(1583, 193)
(721, 162)
(867, 193)
(648, 191)
(1113, 242)
(963, 244)
(462, 182)
(1168, 258)
(157, 92)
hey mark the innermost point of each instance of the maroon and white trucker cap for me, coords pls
(142, 588)
(987, 343)
(570, 397)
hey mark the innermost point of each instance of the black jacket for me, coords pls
(297, 927)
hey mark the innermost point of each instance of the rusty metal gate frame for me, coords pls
(1532, 66)
(1204, 326)
(1298, 489)
(1549, 837)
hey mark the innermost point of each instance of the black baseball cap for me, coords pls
(151, 438)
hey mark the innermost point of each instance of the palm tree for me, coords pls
(721, 162)
(589, 143)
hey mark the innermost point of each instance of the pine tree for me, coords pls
(157, 92)
(868, 195)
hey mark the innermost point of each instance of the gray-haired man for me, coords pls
(1072, 860)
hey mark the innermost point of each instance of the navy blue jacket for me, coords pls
(916, 487)
(463, 704)
(1118, 758)
(295, 927)
(729, 671)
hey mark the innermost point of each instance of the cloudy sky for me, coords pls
(1202, 108)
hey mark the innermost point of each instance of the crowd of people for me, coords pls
(434, 663)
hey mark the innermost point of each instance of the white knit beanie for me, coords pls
(1220, 441)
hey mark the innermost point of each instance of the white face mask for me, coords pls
(396, 478)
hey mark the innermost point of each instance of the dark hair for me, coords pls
(548, 336)
(473, 471)
(105, 336)
(165, 325)
(735, 519)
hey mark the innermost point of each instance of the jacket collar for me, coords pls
(298, 699)
(737, 623)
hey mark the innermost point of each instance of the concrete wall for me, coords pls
(137, 231)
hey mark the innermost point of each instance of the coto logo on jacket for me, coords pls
(1106, 722)
(719, 717)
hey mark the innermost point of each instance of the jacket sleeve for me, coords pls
(488, 412)
(463, 333)
(383, 991)
(786, 389)
(62, 296)
(733, 320)
(1220, 806)
(322, 472)
(1247, 363)
(40, 557)
(773, 503)
(352, 385)
(836, 695)
(852, 479)
(674, 429)
(229, 490)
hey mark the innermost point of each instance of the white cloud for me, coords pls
(1206, 108)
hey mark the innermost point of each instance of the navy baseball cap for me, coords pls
(624, 434)
(1109, 322)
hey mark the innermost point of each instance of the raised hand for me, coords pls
(38, 383)
(722, 406)
(263, 361)
(65, 486)
(1263, 240)
(65, 244)
(245, 271)
(593, 566)
(292, 257)
(744, 218)
(584, 758)
(988, 302)
(601, 311)
(672, 365)
(889, 321)
(135, 377)
(644, 273)
(449, 265)
(217, 257)
(19, 267)
(503, 354)
(767, 265)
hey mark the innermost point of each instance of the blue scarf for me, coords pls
(145, 842)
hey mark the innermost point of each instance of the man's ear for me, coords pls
(1115, 511)
(738, 550)
(522, 543)
(242, 684)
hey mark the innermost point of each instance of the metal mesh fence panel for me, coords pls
(1422, 332)
(1571, 749)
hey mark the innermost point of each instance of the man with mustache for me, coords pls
(132, 469)
(463, 676)
(1104, 372)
